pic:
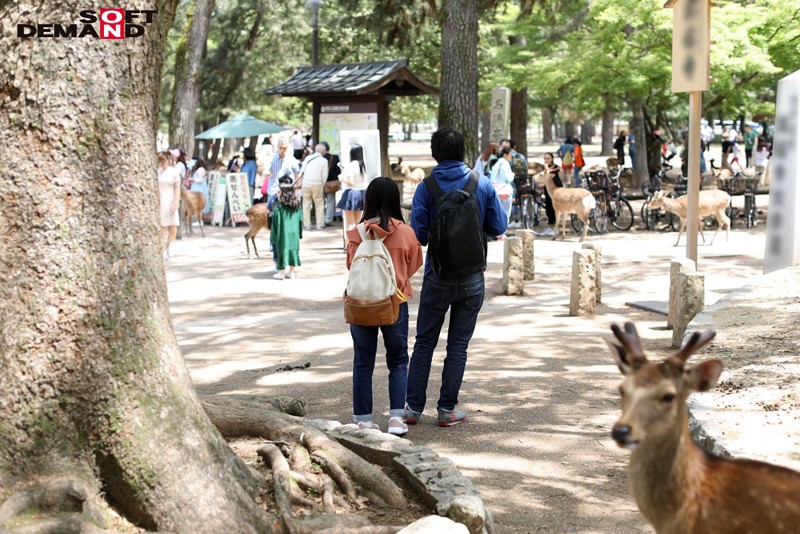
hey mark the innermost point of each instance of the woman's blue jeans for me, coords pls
(464, 298)
(365, 346)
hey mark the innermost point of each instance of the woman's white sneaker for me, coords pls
(397, 426)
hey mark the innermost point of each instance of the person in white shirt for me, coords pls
(502, 177)
(354, 181)
(298, 145)
(314, 173)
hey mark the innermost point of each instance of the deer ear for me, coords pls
(621, 358)
(703, 376)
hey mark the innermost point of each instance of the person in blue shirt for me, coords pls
(250, 168)
(462, 296)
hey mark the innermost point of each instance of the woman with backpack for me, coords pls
(383, 219)
(286, 228)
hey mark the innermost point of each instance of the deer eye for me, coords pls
(667, 398)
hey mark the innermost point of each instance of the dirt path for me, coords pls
(540, 385)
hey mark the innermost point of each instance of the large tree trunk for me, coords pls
(519, 107)
(641, 175)
(547, 126)
(94, 387)
(587, 132)
(608, 133)
(458, 104)
(186, 91)
(486, 119)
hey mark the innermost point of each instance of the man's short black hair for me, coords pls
(512, 144)
(447, 144)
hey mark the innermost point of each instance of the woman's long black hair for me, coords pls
(357, 154)
(382, 201)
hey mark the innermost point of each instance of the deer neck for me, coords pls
(665, 474)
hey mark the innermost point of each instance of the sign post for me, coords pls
(783, 223)
(500, 114)
(691, 32)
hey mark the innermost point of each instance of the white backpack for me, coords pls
(372, 297)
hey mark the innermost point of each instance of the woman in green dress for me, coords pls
(286, 229)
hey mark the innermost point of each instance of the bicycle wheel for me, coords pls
(749, 211)
(673, 221)
(526, 214)
(622, 214)
(600, 215)
(648, 216)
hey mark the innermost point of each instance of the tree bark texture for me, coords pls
(640, 174)
(186, 91)
(608, 133)
(486, 119)
(458, 104)
(93, 384)
(519, 107)
(587, 132)
(547, 126)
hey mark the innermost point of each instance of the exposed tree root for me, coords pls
(282, 484)
(245, 418)
(57, 496)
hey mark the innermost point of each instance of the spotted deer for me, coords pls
(679, 487)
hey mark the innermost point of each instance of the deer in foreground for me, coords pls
(258, 219)
(569, 200)
(712, 202)
(192, 206)
(679, 487)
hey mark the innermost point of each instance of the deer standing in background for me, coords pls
(258, 219)
(569, 200)
(679, 487)
(192, 206)
(712, 202)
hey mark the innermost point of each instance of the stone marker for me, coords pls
(676, 268)
(582, 299)
(598, 269)
(690, 300)
(527, 252)
(513, 270)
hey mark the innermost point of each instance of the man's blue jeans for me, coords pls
(464, 298)
(365, 345)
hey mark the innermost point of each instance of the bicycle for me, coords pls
(741, 184)
(530, 204)
(598, 219)
(620, 212)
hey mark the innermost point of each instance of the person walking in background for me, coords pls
(286, 228)
(749, 137)
(463, 295)
(314, 173)
(332, 184)
(298, 145)
(354, 181)
(169, 194)
(632, 147)
(567, 154)
(761, 158)
(250, 168)
(502, 179)
(200, 184)
(579, 162)
(282, 164)
(619, 146)
(551, 167)
(482, 166)
(383, 218)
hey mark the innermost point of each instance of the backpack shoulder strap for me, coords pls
(433, 188)
(362, 231)
(472, 183)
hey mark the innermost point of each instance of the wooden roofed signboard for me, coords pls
(354, 79)
(691, 34)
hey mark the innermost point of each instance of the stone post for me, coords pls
(598, 268)
(582, 299)
(690, 300)
(513, 270)
(676, 268)
(527, 252)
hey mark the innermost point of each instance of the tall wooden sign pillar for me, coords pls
(691, 32)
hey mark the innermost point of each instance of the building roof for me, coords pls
(349, 79)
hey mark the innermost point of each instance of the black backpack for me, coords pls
(457, 244)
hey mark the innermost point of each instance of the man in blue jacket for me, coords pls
(462, 296)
